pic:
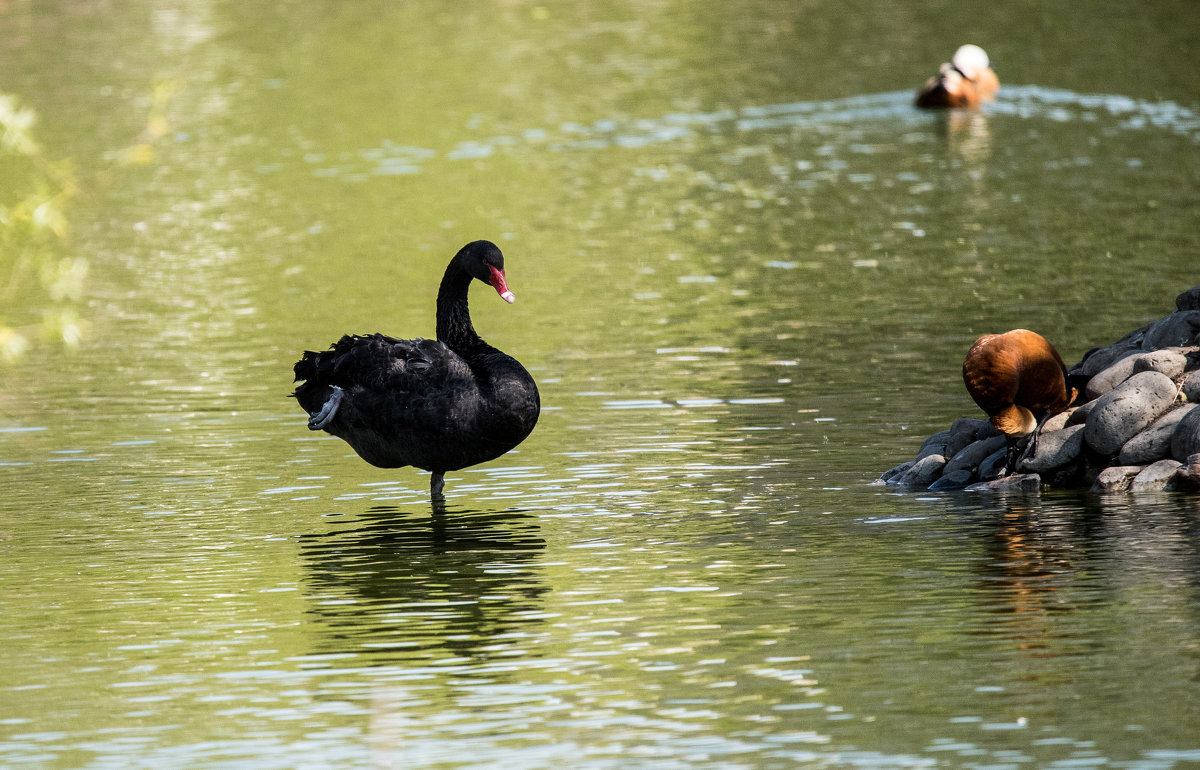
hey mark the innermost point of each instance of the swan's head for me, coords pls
(971, 60)
(483, 260)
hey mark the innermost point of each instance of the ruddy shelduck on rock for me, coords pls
(1019, 379)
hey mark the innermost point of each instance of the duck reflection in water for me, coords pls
(387, 585)
(1045, 562)
(1029, 560)
(968, 137)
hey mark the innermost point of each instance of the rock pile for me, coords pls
(1135, 425)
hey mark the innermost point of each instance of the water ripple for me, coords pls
(893, 109)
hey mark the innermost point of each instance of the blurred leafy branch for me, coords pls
(35, 195)
(33, 231)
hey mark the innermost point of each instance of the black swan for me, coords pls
(439, 405)
(1019, 379)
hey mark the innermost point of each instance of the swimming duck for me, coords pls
(967, 80)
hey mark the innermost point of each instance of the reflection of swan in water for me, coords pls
(388, 584)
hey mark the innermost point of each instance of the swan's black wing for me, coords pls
(403, 401)
(379, 363)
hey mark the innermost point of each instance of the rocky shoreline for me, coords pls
(1135, 425)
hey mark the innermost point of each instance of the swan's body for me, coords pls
(439, 405)
(967, 80)
(1019, 380)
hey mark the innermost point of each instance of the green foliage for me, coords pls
(33, 231)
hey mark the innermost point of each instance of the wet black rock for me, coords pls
(1021, 482)
(1190, 387)
(962, 432)
(1116, 478)
(952, 480)
(1154, 443)
(1112, 375)
(923, 472)
(1187, 478)
(971, 456)
(1178, 329)
(1189, 300)
(1155, 477)
(1055, 449)
(1185, 440)
(893, 475)
(993, 465)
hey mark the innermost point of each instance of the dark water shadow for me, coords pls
(394, 582)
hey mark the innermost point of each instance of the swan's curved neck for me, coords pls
(454, 317)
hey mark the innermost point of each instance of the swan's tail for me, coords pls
(313, 372)
(322, 370)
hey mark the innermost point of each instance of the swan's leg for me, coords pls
(322, 418)
(437, 483)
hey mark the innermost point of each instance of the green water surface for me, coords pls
(746, 273)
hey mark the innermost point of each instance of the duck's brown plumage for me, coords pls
(1019, 380)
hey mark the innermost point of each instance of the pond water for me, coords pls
(746, 274)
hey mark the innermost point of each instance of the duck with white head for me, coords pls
(967, 80)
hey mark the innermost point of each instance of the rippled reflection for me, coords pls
(893, 111)
(455, 583)
(1044, 562)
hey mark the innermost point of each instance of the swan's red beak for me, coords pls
(498, 283)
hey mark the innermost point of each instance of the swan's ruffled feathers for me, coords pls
(405, 373)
